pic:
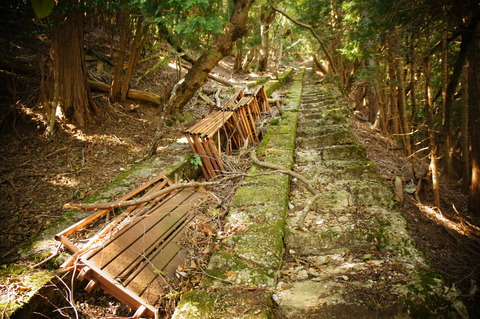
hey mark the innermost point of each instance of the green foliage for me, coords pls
(42, 8)
(190, 23)
(196, 161)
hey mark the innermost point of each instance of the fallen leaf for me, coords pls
(229, 274)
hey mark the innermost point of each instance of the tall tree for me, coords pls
(474, 112)
(267, 16)
(235, 28)
(69, 92)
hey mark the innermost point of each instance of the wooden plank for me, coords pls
(115, 289)
(144, 281)
(129, 235)
(204, 156)
(194, 150)
(91, 218)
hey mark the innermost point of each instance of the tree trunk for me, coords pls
(446, 121)
(117, 71)
(402, 98)
(235, 28)
(464, 132)
(69, 70)
(267, 16)
(131, 93)
(238, 56)
(136, 48)
(474, 110)
(431, 136)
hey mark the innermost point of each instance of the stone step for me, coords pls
(351, 254)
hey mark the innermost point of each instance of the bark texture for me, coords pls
(70, 88)
(197, 75)
(474, 112)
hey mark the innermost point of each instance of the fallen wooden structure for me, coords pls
(131, 255)
(226, 129)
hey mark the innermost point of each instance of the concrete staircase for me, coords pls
(352, 255)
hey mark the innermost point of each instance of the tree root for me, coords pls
(308, 185)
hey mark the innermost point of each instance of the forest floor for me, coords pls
(450, 236)
(39, 174)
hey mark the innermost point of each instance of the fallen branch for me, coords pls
(307, 209)
(213, 77)
(132, 94)
(283, 169)
(119, 204)
(301, 178)
(218, 101)
(312, 31)
(206, 98)
(160, 63)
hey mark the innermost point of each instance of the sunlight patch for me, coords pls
(462, 227)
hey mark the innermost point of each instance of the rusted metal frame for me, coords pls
(203, 155)
(251, 115)
(231, 101)
(232, 135)
(211, 124)
(116, 289)
(194, 150)
(238, 126)
(249, 122)
(221, 119)
(82, 223)
(255, 108)
(201, 125)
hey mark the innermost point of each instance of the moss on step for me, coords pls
(15, 279)
(252, 253)
(340, 137)
(343, 152)
(225, 302)
(274, 85)
(370, 193)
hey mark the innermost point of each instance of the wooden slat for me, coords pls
(135, 238)
(115, 289)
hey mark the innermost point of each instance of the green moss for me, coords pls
(371, 193)
(275, 121)
(257, 195)
(424, 299)
(344, 152)
(258, 82)
(225, 303)
(18, 276)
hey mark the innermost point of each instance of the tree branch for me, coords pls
(283, 169)
(119, 204)
(312, 31)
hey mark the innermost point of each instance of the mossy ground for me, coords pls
(252, 254)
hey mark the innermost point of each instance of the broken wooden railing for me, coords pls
(226, 129)
(130, 256)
